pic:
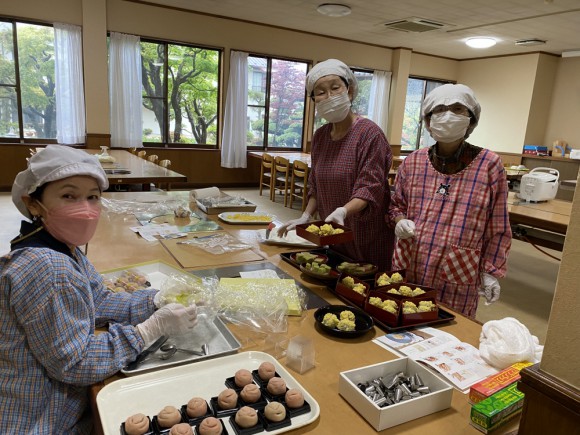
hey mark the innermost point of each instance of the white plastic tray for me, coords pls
(150, 392)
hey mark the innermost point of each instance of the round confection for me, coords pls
(246, 417)
(250, 393)
(210, 426)
(275, 411)
(181, 429)
(266, 371)
(243, 377)
(276, 386)
(196, 407)
(137, 424)
(227, 399)
(168, 416)
(294, 398)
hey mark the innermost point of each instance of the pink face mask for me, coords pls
(73, 224)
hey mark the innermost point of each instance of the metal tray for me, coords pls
(213, 332)
(150, 392)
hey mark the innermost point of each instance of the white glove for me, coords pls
(290, 225)
(170, 320)
(404, 229)
(489, 289)
(338, 216)
(156, 300)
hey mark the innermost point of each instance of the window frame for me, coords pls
(266, 107)
(167, 109)
(22, 139)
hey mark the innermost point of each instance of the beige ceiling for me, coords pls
(556, 21)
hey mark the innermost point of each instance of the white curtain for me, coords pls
(70, 97)
(235, 126)
(379, 98)
(125, 90)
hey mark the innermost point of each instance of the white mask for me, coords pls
(334, 108)
(448, 127)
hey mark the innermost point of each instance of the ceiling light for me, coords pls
(333, 10)
(481, 42)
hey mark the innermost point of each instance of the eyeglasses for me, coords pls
(458, 109)
(320, 94)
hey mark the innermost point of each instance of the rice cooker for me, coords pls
(540, 184)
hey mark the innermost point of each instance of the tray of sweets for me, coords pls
(327, 239)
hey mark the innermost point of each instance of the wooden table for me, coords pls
(141, 170)
(116, 246)
(553, 215)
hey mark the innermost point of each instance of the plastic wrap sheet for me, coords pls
(261, 305)
(217, 243)
(190, 289)
(151, 209)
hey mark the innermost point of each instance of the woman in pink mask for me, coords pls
(351, 159)
(450, 207)
(52, 299)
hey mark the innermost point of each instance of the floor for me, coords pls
(527, 291)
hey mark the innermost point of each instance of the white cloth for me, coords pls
(70, 90)
(507, 341)
(379, 98)
(331, 67)
(55, 162)
(208, 192)
(449, 94)
(125, 90)
(235, 129)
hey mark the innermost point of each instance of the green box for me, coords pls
(497, 408)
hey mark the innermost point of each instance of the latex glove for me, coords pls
(156, 300)
(490, 288)
(169, 320)
(405, 229)
(290, 225)
(338, 216)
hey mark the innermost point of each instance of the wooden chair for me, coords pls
(132, 150)
(142, 154)
(153, 158)
(165, 164)
(299, 183)
(282, 171)
(266, 173)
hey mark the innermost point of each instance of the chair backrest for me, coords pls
(142, 154)
(153, 158)
(133, 150)
(267, 161)
(164, 163)
(282, 164)
(300, 169)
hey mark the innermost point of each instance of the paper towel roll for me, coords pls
(204, 193)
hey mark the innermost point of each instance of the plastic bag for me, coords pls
(507, 341)
(187, 290)
(148, 209)
(217, 243)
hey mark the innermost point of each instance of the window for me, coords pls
(27, 82)
(276, 100)
(415, 136)
(180, 94)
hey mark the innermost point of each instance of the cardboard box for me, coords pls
(383, 418)
(498, 408)
(483, 389)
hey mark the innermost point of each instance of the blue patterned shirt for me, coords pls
(51, 300)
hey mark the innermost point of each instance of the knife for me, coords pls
(143, 355)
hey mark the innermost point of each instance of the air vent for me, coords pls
(415, 25)
(531, 41)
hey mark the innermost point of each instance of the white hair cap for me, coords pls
(331, 67)
(53, 163)
(448, 94)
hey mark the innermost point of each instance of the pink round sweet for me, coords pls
(227, 399)
(275, 411)
(137, 424)
(250, 393)
(210, 426)
(276, 386)
(246, 417)
(196, 407)
(243, 377)
(266, 371)
(168, 416)
(294, 398)
(181, 429)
